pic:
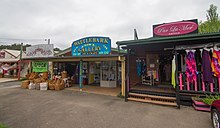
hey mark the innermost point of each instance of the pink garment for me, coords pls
(191, 67)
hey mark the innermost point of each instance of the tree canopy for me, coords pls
(213, 22)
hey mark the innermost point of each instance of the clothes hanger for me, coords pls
(215, 47)
(190, 49)
(205, 48)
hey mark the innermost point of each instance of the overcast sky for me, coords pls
(64, 21)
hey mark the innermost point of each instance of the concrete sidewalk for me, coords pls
(3, 80)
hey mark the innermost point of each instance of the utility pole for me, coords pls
(19, 62)
(48, 41)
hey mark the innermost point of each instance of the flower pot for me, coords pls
(200, 106)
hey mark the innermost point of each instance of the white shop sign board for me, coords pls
(41, 50)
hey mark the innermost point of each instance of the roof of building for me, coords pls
(189, 37)
(9, 60)
(14, 53)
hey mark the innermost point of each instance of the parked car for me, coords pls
(215, 113)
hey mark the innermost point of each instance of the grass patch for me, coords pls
(3, 126)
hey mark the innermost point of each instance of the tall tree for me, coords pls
(213, 22)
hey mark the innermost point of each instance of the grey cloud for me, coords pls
(67, 20)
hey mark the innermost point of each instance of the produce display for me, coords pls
(40, 82)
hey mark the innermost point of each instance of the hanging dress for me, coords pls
(206, 66)
(173, 80)
(216, 63)
(191, 66)
(138, 67)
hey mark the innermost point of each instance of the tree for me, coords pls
(213, 22)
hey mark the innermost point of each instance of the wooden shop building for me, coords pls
(90, 63)
(171, 66)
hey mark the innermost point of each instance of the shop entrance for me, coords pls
(94, 73)
(156, 69)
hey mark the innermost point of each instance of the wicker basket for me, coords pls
(24, 84)
(38, 80)
(51, 84)
(45, 75)
(59, 85)
(64, 74)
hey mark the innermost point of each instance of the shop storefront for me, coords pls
(90, 62)
(171, 62)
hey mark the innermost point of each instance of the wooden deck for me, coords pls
(160, 88)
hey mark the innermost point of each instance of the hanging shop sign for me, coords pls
(41, 50)
(2, 54)
(176, 28)
(91, 46)
(39, 66)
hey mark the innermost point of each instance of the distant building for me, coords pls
(9, 61)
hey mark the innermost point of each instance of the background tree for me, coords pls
(213, 22)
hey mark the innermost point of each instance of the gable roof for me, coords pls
(14, 53)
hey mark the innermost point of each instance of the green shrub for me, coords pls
(3, 126)
(209, 99)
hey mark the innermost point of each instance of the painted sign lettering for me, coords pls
(175, 28)
(41, 50)
(91, 46)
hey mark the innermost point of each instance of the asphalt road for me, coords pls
(22, 108)
(10, 84)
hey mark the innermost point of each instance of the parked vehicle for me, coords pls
(215, 113)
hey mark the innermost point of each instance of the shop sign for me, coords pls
(40, 66)
(176, 28)
(2, 54)
(41, 50)
(91, 46)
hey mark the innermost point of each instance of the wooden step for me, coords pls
(153, 102)
(152, 96)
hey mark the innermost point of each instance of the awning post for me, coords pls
(80, 74)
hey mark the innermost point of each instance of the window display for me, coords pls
(108, 74)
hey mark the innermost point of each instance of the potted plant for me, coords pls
(198, 104)
(203, 104)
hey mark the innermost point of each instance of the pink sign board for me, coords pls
(176, 28)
